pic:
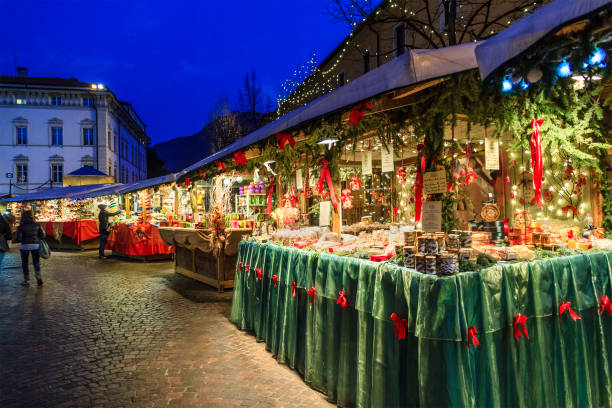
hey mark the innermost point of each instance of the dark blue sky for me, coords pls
(171, 59)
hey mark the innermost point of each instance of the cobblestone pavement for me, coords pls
(128, 334)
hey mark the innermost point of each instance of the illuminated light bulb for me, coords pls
(512, 155)
(564, 69)
(552, 188)
(539, 214)
(506, 85)
(514, 187)
(550, 208)
(559, 212)
(559, 201)
(597, 57)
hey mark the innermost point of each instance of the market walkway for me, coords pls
(122, 334)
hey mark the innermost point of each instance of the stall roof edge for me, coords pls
(414, 67)
(58, 192)
(520, 36)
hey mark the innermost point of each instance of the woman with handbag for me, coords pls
(5, 236)
(30, 234)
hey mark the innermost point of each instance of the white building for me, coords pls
(52, 126)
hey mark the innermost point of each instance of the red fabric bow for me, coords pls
(275, 280)
(186, 181)
(472, 332)
(569, 208)
(240, 158)
(247, 267)
(284, 138)
(566, 306)
(519, 324)
(311, 293)
(202, 174)
(536, 159)
(270, 191)
(326, 177)
(606, 305)
(418, 196)
(357, 113)
(400, 326)
(342, 300)
(293, 291)
(220, 166)
(259, 273)
(239, 265)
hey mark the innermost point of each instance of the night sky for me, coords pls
(171, 59)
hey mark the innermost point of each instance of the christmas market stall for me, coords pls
(430, 237)
(68, 223)
(146, 205)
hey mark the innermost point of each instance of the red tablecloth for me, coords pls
(79, 231)
(141, 239)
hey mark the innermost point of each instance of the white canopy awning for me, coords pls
(411, 68)
(517, 38)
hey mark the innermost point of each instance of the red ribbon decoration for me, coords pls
(202, 174)
(311, 293)
(570, 234)
(418, 196)
(566, 306)
(275, 280)
(186, 181)
(240, 158)
(400, 326)
(606, 305)
(247, 267)
(284, 138)
(270, 191)
(293, 286)
(519, 324)
(536, 159)
(220, 166)
(326, 177)
(342, 300)
(569, 208)
(259, 273)
(357, 113)
(240, 265)
(472, 332)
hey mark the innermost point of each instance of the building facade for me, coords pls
(52, 126)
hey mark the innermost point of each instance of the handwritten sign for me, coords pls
(434, 182)
(386, 157)
(491, 153)
(324, 210)
(366, 163)
(299, 180)
(431, 218)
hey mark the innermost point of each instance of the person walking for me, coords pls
(29, 234)
(104, 228)
(5, 236)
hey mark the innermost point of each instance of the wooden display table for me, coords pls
(196, 257)
(79, 234)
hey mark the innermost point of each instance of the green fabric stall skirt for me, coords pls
(354, 356)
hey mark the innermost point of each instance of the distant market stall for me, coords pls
(422, 237)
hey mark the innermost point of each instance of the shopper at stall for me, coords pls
(5, 237)
(29, 234)
(104, 227)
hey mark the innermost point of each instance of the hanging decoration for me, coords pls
(520, 330)
(240, 158)
(567, 306)
(347, 199)
(418, 196)
(355, 183)
(293, 290)
(283, 139)
(326, 177)
(401, 175)
(357, 113)
(275, 280)
(605, 305)
(220, 166)
(202, 174)
(187, 181)
(270, 197)
(239, 265)
(536, 159)
(399, 326)
(259, 273)
(342, 300)
(291, 198)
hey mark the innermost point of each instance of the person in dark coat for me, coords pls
(104, 228)
(6, 233)
(29, 233)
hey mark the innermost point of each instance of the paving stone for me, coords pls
(130, 334)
